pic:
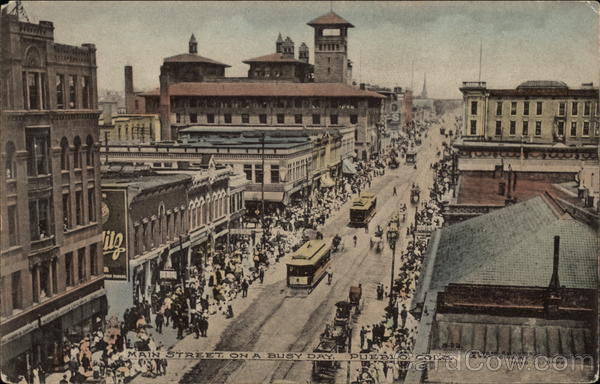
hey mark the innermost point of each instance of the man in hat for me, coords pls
(403, 315)
(244, 288)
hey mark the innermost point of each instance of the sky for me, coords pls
(520, 40)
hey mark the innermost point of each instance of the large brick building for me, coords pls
(52, 286)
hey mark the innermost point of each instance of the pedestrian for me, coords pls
(261, 275)
(403, 315)
(367, 228)
(329, 276)
(64, 380)
(159, 320)
(244, 288)
(395, 192)
(355, 238)
(363, 333)
(229, 311)
(205, 327)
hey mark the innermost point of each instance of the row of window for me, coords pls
(205, 213)
(240, 103)
(262, 118)
(68, 222)
(152, 234)
(539, 106)
(257, 171)
(67, 88)
(45, 276)
(512, 130)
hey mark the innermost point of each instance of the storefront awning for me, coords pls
(348, 168)
(326, 181)
(269, 196)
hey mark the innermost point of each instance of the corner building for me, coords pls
(51, 282)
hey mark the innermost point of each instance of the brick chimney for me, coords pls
(129, 94)
(165, 106)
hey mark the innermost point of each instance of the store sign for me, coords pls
(114, 234)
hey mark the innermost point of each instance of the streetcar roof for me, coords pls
(309, 253)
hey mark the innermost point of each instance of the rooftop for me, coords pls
(275, 58)
(265, 89)
(193, 58)
(138, 182)
(330, 18)
(542, 84)
(513, 246)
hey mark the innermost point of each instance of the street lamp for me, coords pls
(392, 237)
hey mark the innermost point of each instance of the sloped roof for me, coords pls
(514, 246)
(274, 58)
(330, 18)
(192, 58)
(266, 89)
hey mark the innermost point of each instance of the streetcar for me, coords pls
(308, 265)
(363, 209)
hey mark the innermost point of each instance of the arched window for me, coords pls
(11, 165)
(89, 154)
(64, 154)
(76, 152)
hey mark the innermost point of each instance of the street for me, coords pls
(271, 321)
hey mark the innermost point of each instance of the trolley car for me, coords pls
(363, 209)
(308, 265)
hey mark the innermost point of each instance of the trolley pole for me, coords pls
(349, 351)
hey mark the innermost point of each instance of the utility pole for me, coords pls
(262, 190)
(105, 147)
(480, 56)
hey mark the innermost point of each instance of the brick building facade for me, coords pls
(52, 286)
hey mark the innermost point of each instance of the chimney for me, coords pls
(362, 86)
(165, 106)
(129, 95)
(554, 282)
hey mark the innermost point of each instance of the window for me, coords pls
(333, 119)
(262, 118)
(248, 171)
(561, 128)
(473, 127)
(587, 106)
(498, 128)
(85, 92)
(526, 128)
(69, 269)
(210, 118)
(45, 280)
(297, 103)
(316, 119)
(512, 128)
(538, 128)
(39, 219)
(177, 119)
(298, 118)
(64, 154)
(54, 276)
(91, 205)
(38, 148)
(81, 264)
(93, 259)
(574, 128)
(66, 201)
(538, 108)
(72, 92)
(353, 119)
(10, 163)
(274, 173)
(227, 118)
(35, 285)
(473, 107)
(78, 208)
(526, 108)
(15, 285)
(562, 109)
(245, 118)
(33, 90)
(280, 118)
(513, 108)
(60, 91)
(258, 173)
(77, 153)
(586, 128)
(193, 117)
(13, 225)
(498, 108)
(574, 108)
(89, 151)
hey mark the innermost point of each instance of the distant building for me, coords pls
(51, 286)
(133, 128)
(519, 281)
(536, 112)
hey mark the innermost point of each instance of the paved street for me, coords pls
(269, 320)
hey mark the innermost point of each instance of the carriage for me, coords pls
(394, 162)
(415, 194)
(411, 156)
(355, 297)
(377, 240)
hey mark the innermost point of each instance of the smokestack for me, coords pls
(129, 95)
(554, 282)
(165, 106)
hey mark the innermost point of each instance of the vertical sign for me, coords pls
(115, 233)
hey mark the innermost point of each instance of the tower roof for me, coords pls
(279, 38)
(303, 46)
(193, 39)
(330, 18)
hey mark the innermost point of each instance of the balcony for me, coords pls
(474, 84)
(11, 187)
(39, 183)
(42, 244)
